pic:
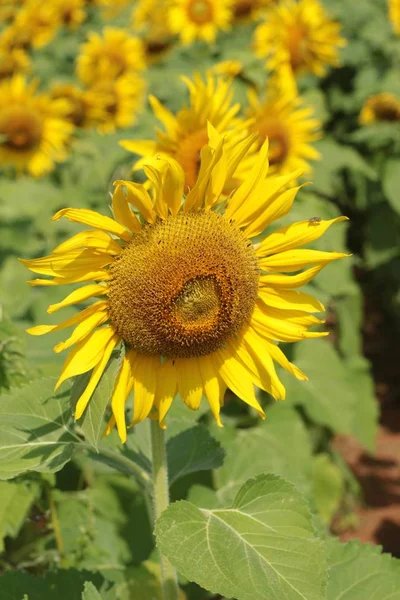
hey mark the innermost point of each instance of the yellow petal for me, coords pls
(143, 369)
(99, 240)
(69, 264)
(295, 235)
(78, 278)
(238, 379)
(122, 212)
(166, 117)
(264, 364)
(82, 330)
(93, 219)
(79, 295)
(289, 281)
(95, 377)
(289, 300)
(100, 306)
(122, 388)
(140, 147)
(190, 384)
(86, 354)
(214, 388)
(138, 196)
(275, 325)
(277, 209)
(208, 159)
(279, 357)
(173, 184)
(294, 260)
(166, 389)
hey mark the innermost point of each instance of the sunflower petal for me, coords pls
(190, 383)
(166, 389)
(97, 307)
(75, 262)
(122, 212)
(294, 260)
(143, 369)
(238, 379)
(214, 387)
(279, 357)
(138, 196)
(276, 280)
(82, 330)
(290, 300)
(78, 278)
(93, 219)
(79, 295)
(122, 388)
(265, 366)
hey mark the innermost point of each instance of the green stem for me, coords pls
(169, 580)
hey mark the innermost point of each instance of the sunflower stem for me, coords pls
(169, 579)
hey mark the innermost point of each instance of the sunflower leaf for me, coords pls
(35, 429)
(263, 547)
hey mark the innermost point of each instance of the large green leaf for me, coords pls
(15, 502)
(361, 572)
(328, 486)
(35, 429)
(391, 183)
(263, 547)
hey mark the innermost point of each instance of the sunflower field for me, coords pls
(199, 299)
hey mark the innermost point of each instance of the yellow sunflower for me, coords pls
(380, 108)
(228, 68)
(197, 306)
(71, 12)
(150, 17)
(37, 22)
(301, 34)
(121, 100)
(12, 61)
(186, 133)
(105, 57)
(289, 126)
(8, 9)
(250, 10)
(33, 130)
(394, 14)
(85, 108)
(199, 19)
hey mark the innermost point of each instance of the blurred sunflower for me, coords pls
(197, 306)
(199, 19)
(301, 34)
(186, 132)
(33, 130)
(112, 8)
(120, 100)
(37, 22)
(394, 14)
(150, 17)
(85, 108)
(71, 12)
(8, 9)
(381, 107)
(289, 126)
(108, 56)
(250, 10)
(228, 68)
(12, 61)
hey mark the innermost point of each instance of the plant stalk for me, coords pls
(169, 579)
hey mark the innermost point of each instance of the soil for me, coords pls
(378, 516)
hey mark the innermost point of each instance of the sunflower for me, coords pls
(186, 133)
(12, 61)
(301, 34)
(250, 10)
(394, 14)
(114, 54)
(381, 107)
(228, 68)
(85, 108)
(37, 22)
(8, 9)
(150, 17)
(71, 12)
(196, 306)
(33, 130)
(121, 100)
(199, 19)
(289, 126)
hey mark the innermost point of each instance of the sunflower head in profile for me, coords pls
(199, 19)
(394, 15)
(186, 132)
(85, 107)
(289, 125)
(197, 304)
(106, 57)
(301, 34)
(384, 107)
(34, 132)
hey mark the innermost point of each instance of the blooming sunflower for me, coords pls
(250, 10)
(289, 126)
(85, 107)
(150, 17)
(199, 19)
(33, 129)
(186, 133)
(301, 34)
(12, 61)
(394, 14)
(197, 306)
(71, 12)
(37, 22)
(381, 107)
(114, 54)
(8, 9)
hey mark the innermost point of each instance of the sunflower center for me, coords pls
(21, 128)
(244, 8)
(279, 140)
(188, 155)
(184, 286)
(200, 11)
(385, 110)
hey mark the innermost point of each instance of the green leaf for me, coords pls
(281, 445)
(90, 592)
(366, 418)
(193, 450)
(391, 183)
(35, 429)
(361, 572)
(15, 502)
(92, 422)
(328, 486)
(261, 548)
